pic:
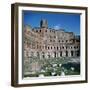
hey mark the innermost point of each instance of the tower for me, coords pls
(43, 23)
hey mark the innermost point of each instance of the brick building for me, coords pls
(45, 43)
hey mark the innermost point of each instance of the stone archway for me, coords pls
(78, 53)
(66, 53)
(72, 53)
(60, 53)
(55, 54)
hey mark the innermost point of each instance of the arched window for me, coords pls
(63, 47)
(78, 53)
(36, 30)
(59, 41)
(50, 40)
(66, 40)
(54, 36)
(40, 30)
(74, 47)
(51, 47)
(48, 47)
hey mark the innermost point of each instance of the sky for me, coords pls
(68, 22)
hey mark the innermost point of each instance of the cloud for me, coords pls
(57, 27)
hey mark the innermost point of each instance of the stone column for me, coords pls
(46, 54)
(74, 53)
(63, 53)
(53, 54)
(35, 54)
(40, 55)
(69, 53)
(57, 54)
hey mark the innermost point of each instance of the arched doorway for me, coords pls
(72, 53)
(66, 53)
(60, 53)
(55, 54)
(78, 53)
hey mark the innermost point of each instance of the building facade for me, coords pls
(45, 42)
